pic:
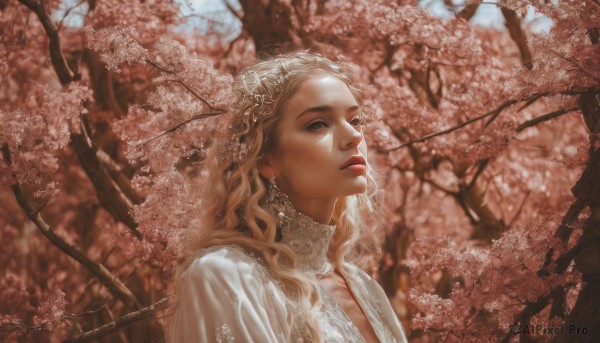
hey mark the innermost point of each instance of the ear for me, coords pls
(266, 167)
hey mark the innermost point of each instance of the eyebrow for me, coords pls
(323, 109)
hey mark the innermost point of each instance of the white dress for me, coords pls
(227, 295)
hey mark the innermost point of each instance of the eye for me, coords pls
(358, 121)
(315, 125)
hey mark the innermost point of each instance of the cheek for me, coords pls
(310, 155)
(308, 160)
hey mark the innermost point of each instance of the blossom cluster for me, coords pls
(53, 114)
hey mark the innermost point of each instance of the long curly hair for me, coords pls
(234, 212)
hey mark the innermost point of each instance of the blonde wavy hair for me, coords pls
(234, 212)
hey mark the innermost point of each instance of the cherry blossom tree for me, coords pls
(486, 141)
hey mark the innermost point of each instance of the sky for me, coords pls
(201, 11)
(488, 14)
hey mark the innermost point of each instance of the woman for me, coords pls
(285, 202)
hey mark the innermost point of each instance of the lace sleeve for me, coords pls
(223, 298)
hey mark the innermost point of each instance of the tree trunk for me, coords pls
(278, 36)
(586, 313)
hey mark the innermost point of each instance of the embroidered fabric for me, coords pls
(228, 295)
(309, 240)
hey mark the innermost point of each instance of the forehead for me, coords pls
(321, 90)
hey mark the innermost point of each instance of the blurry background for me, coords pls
(483, 129)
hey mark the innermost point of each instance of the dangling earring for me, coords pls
(276, 199)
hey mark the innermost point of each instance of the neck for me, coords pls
(320, 209)
(310, 239)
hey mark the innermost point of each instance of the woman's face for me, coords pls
(319, 131)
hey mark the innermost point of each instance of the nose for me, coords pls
(352, 136)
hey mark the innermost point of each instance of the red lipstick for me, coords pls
(356, 160)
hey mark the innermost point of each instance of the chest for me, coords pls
(339, 289)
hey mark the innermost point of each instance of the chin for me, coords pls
(358, 188)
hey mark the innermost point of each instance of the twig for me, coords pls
(185, 85)
(531, 101)
(108, 279)
(83, 313)
(60, 24)
(302, 14)
(159, 67)
(440, 187)
(454, 128)
(230, 48)
(520, 209)
(214, 111)
(126, 320)
(545, 117)
(189, 89)
(234, 11)
(196, 117)
(575, 64)
(480, 168)
(387, 60)
(495, 113)
(578, 91)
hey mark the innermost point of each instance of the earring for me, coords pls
(276, 199)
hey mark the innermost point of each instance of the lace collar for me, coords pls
(308, 238)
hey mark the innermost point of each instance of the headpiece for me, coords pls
(256, 101)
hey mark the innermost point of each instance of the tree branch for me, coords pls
(565, 229)
(468, 12)
(387, 59)
(233, 11)
(519, 210)
(126, 320)
(184, 85)
(117, 173)
(480, 168)
(564, 260)
(545, 117)
(575, 64)
(531, 101)
(109, 194)
(494, 113)
(108, 279)
(65, 74)
(230, 48)
(513, 24)
(454, 128)
(175, 127)
(301, 10)
(67, 12)
(533, 308)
